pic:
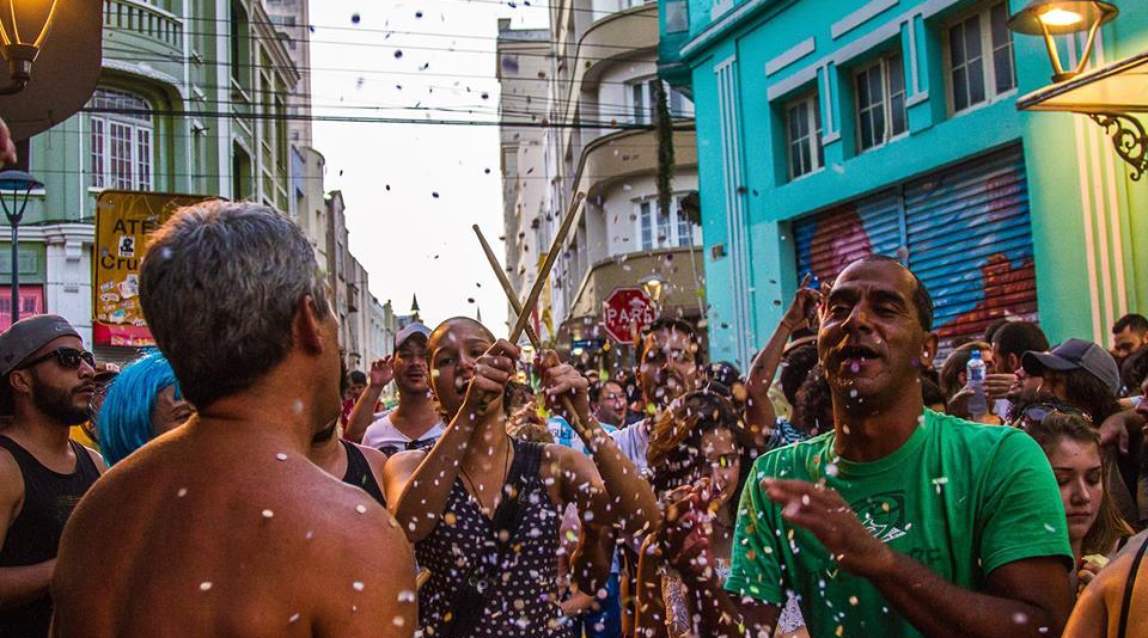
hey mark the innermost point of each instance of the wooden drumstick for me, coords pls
(544, 271)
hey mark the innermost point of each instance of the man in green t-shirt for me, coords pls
(900, 521)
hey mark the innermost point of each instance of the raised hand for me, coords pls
(802, 313)
(382, 371)
(562, 380)
(687, 527)
(492, 372)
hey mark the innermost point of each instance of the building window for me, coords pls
(121, 141)
(642, 96)
(803, 125)
(677, 16)
(880, 102)
(656, 230)
(240, 37)
(980, 58)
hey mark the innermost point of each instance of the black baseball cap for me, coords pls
(1075, 354)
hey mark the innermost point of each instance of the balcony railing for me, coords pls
(134, 16)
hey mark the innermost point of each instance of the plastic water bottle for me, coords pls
(978, 403)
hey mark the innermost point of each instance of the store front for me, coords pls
(964, 230)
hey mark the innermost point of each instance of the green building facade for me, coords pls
(193, 98)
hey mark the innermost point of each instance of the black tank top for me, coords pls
(359, 473)
(523, 602)
(34, 535)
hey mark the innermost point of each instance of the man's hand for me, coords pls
(492, 372)
(802, 313)
(998, 386)
(822, 511)
(563, 380)
(1114, 430)
(7, 146)
(382, 371)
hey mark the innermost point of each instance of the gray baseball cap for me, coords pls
(414, 329)
(27, 336)
(1075, 354)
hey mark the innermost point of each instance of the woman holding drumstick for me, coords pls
(484, 511)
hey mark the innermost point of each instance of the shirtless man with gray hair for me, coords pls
(223, 527)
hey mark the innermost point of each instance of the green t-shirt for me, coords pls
(962, 499)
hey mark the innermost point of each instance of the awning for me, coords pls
(1110, 96)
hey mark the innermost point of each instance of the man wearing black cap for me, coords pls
(1085, 376)
(415, 423)
(46, 384)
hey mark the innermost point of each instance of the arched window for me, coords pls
(122, 135)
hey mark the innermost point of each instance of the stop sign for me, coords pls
(627, 312)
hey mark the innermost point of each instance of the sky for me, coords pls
(413, 191)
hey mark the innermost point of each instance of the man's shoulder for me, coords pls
(977, 439)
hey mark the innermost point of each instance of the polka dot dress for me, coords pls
(524, 599)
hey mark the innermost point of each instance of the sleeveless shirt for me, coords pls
(34, 535)
(359, 473)
(523, 602)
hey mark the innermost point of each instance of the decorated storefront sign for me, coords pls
(124, 220)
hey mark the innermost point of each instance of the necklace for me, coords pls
(470, 482)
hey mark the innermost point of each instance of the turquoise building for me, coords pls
(829, 129)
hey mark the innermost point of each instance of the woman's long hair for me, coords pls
(1057, 426)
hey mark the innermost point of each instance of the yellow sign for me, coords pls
(124, 220)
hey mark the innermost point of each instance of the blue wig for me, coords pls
(124, 421)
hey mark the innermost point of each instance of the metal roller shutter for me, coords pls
(970, 242)
(829, 241)
(966, 233)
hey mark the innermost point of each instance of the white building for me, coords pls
(600, 87)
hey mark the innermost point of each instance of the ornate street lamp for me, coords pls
(1108, 96)
(1050, 18)
(14, 182)
(23, 28)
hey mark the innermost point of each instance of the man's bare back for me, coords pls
(210, 531)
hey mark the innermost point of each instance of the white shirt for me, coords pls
(382, 433)
(634, 441)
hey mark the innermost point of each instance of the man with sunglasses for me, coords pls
(415, 424)
(47, 381)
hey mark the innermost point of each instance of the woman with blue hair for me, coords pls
(142, 403)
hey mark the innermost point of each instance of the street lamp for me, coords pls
(653, 287)
(1062, 17)
(23, 29)
(14, 182)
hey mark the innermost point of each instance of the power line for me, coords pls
(310, 41)
(253, 65)
(377, 120)
(525, 3)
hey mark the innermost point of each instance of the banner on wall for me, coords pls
(124, 221)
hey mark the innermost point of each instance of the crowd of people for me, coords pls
(851, 483)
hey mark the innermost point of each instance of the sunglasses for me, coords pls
(1037, 412)
(69, 358)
